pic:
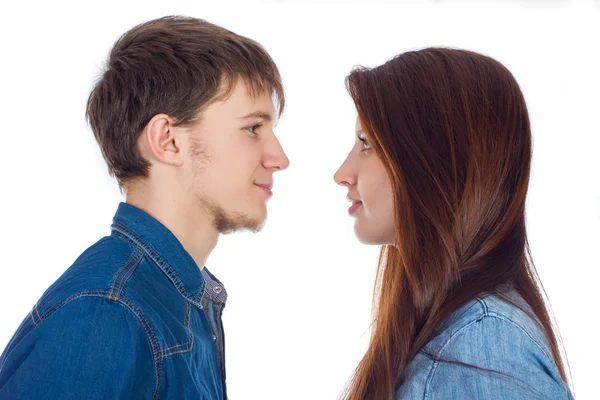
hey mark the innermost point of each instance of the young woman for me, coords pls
(438, 176)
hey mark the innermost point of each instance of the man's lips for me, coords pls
(266, 187)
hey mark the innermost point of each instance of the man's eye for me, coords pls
(253, 128)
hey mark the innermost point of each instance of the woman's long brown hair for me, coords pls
(452, 129)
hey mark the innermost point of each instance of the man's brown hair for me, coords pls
(173, 65)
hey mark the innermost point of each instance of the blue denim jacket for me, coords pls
(492, 334)
(134, 317)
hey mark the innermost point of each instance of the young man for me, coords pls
(184, 117)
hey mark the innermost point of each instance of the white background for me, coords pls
(297, 320)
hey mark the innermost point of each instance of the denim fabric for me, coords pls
(133, 318)
(492, 334)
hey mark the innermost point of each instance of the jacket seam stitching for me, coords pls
(37, 311)
(437, 356)
(132, 238)
(488, 314)
(131, 307)
(128, 275)
(436, 361)
(515, 323)
(152, 253)
(522, 329)
(33, 316)
(161, 353)
(185, 347)
(133, 254)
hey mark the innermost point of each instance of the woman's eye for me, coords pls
(366, 145)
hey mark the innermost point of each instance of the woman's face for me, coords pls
(369, 191)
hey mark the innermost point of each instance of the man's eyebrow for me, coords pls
(258, 114)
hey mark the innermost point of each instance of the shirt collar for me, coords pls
(161, 245)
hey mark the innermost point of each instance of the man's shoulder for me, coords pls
(120, 272)
(100, 271)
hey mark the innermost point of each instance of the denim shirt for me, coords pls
(133, 317)
(496, 336)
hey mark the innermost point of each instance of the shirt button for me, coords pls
(217, 289)
(214, 337)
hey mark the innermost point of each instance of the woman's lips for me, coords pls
(355, 206)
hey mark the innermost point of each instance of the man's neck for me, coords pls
(192, 227)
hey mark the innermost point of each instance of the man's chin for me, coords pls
(226, 222)
(238, 222)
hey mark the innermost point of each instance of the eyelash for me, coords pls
(366, 145)
(252, 128)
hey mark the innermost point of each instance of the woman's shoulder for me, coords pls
(505, 316)
(492, 347)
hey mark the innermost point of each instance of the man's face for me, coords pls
(232, 154)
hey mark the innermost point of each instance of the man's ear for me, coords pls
(160, 141)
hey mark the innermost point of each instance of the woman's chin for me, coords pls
(373, 236)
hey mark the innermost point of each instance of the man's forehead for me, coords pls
(259, 108)
(258, 102)
(239, 102)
